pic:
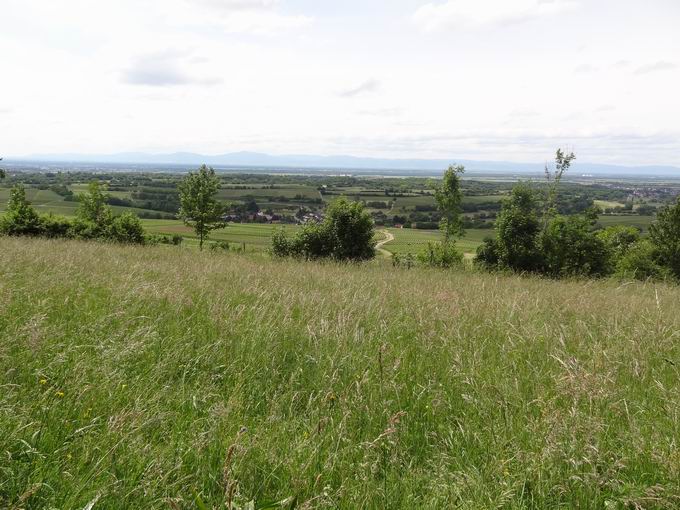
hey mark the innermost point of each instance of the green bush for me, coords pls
(665, 236)
(345, 234)
(219, 246)
(127, 229)
(487, 256)
(640, 263)
(571, 248)
(517, 231)
(440, 254)
(54, 226)
(95, 220)
(84, 229)
(618, 239)
(20, 219)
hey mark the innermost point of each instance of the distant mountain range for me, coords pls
(247, 160)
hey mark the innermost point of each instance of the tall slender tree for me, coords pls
(449, 198)
(563, 162)
(199, 207)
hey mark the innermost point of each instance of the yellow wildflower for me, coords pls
(43, 381)
(59, 394)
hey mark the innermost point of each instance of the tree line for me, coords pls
(532, 235)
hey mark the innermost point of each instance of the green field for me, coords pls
(412, 241)
(46, 201)
(633, 220)
(160, 377)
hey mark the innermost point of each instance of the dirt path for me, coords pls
(388, 239)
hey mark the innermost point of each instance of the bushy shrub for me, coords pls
(95, 220)
(84, 229)
(126, 228)
(219, 246)
(345, 234)
(571, 248)
(517, 228)
(487, 254)
(440, 254)
(618, 239)
(20, 219)
(665, 236)
(54, 226)
(406, 260)
(280, 244)
(640, 262)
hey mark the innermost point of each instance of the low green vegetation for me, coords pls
(532, 237)
(535, 226)
(156, 377)
(94, 220)
(345, 234)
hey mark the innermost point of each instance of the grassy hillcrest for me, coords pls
(156, 377)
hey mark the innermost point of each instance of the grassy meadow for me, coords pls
(160, 377)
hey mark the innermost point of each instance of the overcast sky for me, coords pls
(477, 79)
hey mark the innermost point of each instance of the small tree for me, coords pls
(571, 248)
(20, 219)
(93, 206)
(351, 230)
(449, 198)
(199, 207)
(127, 229)
(345, 234)
(562, 164)
(665, 236)
(618, 239)
(517, 230)
(2, 172)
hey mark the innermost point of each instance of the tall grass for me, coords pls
(164, 378)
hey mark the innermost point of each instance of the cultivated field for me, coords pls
(164, 378)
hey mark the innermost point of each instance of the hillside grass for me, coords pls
(165, 378)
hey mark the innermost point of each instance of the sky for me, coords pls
(470, 79)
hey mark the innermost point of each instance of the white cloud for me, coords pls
(585, 69)
(259, 17)
(168, 68)
(364, 88)
(662, 65)
(454, 14)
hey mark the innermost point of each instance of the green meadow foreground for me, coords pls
(166, 378)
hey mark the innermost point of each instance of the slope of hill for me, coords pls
(164, 378)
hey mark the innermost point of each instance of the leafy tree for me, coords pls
(20, 219)
(2, 172)
(571, 248)
(93, 206)
(517, 230)
(53, 226)
(126, 228)
(640, 262)
(665, 236)
(449, 199)
(618, 239)
(350, 229)
(199, 207)
(487, 256)
(345, 234)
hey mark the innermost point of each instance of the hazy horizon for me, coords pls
(490, 80)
